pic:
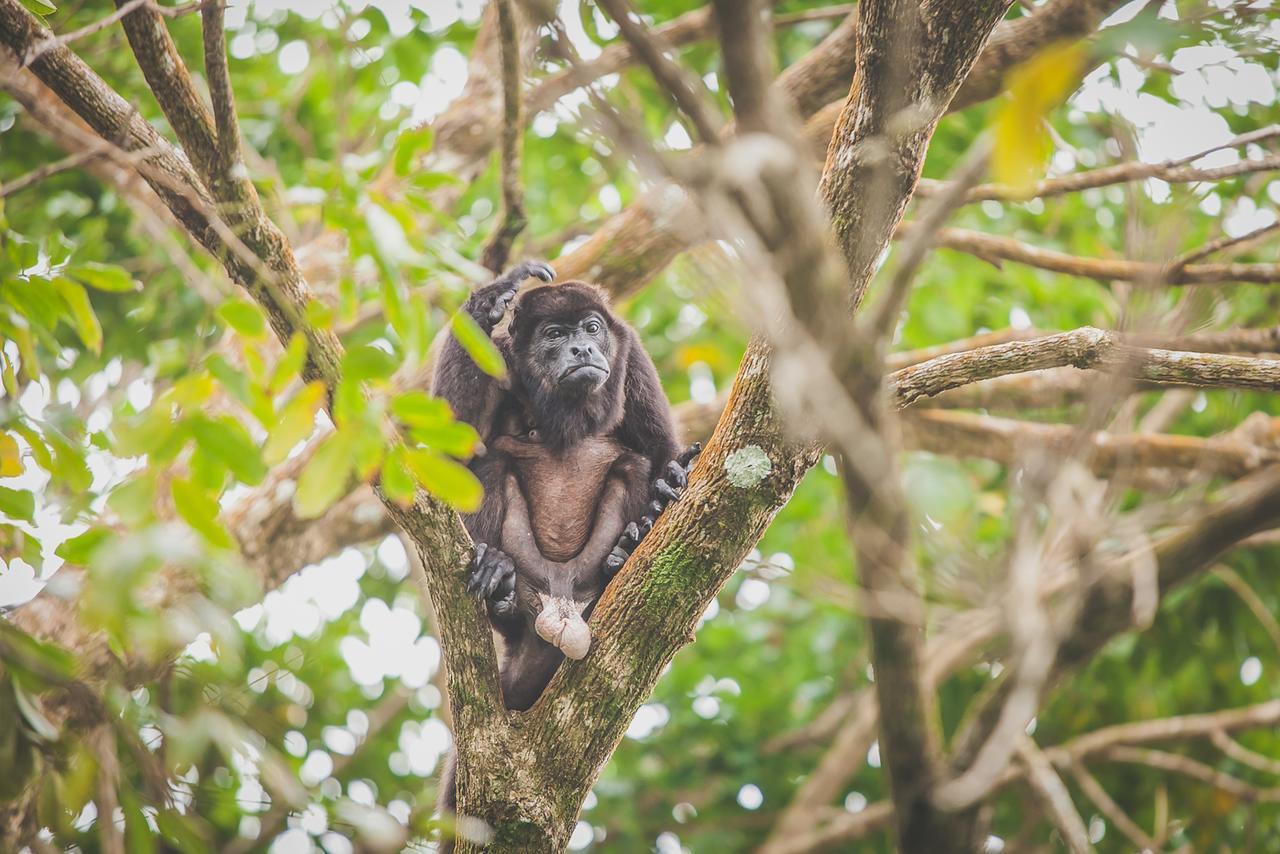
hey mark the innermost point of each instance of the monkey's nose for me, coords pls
(580, 351)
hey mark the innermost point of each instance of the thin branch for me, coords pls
(1054, 797)
(226, 121)
(1253, 601)
(35, 176)
(1242, 754)
(1237, 244)
(995, 249)
(685, 90)
(513, 220)
(1172, 172)
(845, 827)
(1196, 770)
(1109, 808)
(1009, 442)
(917, 246)
(39, 48)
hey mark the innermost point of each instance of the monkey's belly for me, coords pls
(563, 492)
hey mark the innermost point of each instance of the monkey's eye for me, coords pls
(533, 435)
(553, 334)
(591, 326)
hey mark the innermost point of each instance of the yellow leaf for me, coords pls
(1022, 145)
(10, 457)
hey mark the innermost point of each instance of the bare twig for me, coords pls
(1242, 754)
(513, 220)
(916, 247)
(1008, 441)
(681, 87)
(1109, 808)
(1234, 243)
(844, 827)
(1053, 795)
(994, 249)
(39, 48)
(1172, 171)
(39, 174)
(1188, 767)
(1253, 601)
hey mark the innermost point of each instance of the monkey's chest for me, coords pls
(563, 493)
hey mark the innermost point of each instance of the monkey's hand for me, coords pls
(493, 579)
(667, 487)
(488, 305)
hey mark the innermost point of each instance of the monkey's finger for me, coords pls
(664, 490)
(630, 534)
(646, 525)
(691, 453)
(615, 560)
(503, 569)
(676, 474)
(481, 548)
(542, 271)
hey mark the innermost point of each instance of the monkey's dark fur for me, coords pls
(573, 438)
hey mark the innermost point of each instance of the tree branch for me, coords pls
(1084, 348)
(513, 221)
(994, 249)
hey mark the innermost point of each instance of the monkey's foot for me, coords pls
(667, 487)
(493, 578)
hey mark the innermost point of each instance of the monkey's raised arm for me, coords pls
(473, 394)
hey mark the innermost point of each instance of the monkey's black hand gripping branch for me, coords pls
(488, 305)
(667, 488)
(493, 578)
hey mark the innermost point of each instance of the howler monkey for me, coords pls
(580, 458)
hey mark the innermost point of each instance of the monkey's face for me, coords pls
(571, 354)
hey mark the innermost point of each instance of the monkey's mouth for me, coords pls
(574, 370)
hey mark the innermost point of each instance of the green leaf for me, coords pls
(319, 315)
(397, 481)
(290, 364)
(225, 440)
(408, 145)
(368, 363)
(134, 499)
(478, 346)
(244, 317)
(79, 549)
(40, 7)
(17, 504)
(455, 438)
(325, 478)
(84, 321)
(450, 481)
(294, 423)
(419, 409)
(200, 511)
(10, 456)
(104, 277)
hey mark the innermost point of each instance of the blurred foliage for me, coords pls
(141, 396)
